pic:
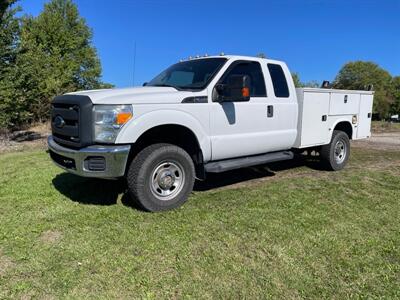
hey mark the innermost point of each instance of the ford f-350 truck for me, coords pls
(209, 114)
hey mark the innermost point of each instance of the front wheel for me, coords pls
(336, 154)
(161, 177)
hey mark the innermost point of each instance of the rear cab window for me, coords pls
(279, 81)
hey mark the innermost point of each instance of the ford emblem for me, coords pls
(59, 122)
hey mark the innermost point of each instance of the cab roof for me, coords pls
(239, 57)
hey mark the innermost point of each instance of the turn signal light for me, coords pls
(245, 92)
(354, 119)
(123, 117)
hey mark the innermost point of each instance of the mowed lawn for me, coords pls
(292, 232)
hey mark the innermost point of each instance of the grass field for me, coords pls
(293, 231)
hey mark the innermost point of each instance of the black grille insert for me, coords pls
(71, 119)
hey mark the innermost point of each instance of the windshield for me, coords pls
(191, 75)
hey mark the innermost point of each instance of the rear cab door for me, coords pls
(282, 128)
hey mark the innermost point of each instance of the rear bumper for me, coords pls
(93, 161)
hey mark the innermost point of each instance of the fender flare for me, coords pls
(131, 132)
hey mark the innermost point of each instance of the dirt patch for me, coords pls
(51, 236)
(6, 264)
(381, 127)
(33, 138)
(380, 141)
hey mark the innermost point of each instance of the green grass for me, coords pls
(301, 233)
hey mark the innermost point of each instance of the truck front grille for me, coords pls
(65, 123)
(71, 117)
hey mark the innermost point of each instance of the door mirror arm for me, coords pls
(219, 92)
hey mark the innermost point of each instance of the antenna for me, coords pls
(134, 63)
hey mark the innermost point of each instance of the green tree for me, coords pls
(9, 31)
(299, 84)
(395, 109)
(11, 110)
(55, 56)
(359, 74)
(296, 80)
(312, 84)
(4, 5)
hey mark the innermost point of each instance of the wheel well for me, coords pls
(345, 127)
(174, 134)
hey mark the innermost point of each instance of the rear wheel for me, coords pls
(161, 177)
(336, 154)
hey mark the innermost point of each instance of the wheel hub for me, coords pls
(167, 180)
(340, 151)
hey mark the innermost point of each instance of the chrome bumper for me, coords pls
(76, 161)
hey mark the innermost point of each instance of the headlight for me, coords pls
(108, 120)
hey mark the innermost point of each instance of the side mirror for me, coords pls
(236, 89)
(144, 84)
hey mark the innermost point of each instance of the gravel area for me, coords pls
(380, 141)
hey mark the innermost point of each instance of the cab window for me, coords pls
(253, 70)
(279, 82)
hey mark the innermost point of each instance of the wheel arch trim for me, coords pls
(344, 121)
(137, 127)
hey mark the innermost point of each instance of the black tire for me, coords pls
(336, 154)
(161, 169)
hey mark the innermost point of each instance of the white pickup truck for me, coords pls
(209, 114)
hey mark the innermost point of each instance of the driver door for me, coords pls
(241, 128)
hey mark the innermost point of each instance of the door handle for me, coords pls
(270, 111)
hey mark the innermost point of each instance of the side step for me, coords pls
(248, 161)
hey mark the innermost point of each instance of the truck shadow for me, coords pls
(89, 190)
(218, 180)
(106, 192)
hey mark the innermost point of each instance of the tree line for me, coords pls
(51, 54)
(41, 57)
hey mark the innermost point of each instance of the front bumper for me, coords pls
(93, 161)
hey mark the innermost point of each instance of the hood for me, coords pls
(136, 95)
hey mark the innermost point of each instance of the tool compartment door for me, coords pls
(314, 118)
(364, 118)
(344, 104)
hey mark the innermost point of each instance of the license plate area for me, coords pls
(63, 161)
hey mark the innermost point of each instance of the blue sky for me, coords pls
(315, 37)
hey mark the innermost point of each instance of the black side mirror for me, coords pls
(237, 88)
(144, 84)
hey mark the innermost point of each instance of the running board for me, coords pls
(248, 161)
